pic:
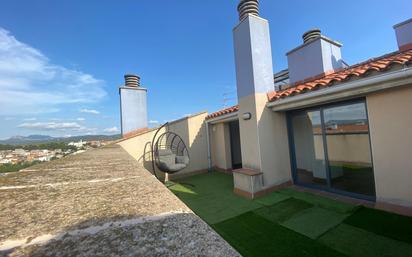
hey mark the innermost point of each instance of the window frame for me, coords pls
(292, 151)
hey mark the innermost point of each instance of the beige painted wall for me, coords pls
(220, 146)
(274, 144)
(249, 134)
(193, 132)
(353, 148)
(390, 121)
(264, 140)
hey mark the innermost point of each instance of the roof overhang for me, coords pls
(353, 89)
(224, 118)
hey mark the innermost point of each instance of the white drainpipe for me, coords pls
(209, 155)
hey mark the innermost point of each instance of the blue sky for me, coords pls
(61, 62)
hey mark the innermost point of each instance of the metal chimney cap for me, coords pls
(132, 80)
(247, 7)
(311, 35)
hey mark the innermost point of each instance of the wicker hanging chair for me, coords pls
(169, 152)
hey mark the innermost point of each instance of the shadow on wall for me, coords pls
(121, 236)
(146, 158)
(191, 129)
(193, 132)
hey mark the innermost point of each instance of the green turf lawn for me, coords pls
(382, 223)
(253, 235)
(292, 223)
(212, 197)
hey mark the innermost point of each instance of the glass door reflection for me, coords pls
(348, 148)
(308, 146)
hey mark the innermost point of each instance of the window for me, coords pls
(331, 148)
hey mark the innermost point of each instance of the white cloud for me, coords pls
(57, 126)
(90, 111)
(30, 83)
(111, 130)
(30, 119)
(80, 119)
(153, 121)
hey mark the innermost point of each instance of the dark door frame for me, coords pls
(234, 165)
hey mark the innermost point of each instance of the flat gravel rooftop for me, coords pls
(98, 203)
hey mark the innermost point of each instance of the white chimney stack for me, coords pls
(253, 52)
(133, 105)
(403, 32)
(318, 55)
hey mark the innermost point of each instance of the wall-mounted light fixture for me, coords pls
(246, 116)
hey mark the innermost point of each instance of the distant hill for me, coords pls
(40, 139)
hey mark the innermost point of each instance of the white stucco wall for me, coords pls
(312, 59)
(404, 33)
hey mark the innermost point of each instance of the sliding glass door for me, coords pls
(331, 148)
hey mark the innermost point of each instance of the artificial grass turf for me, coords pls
(253, 236)
(261, 233)
(213, 200)
(382, 223)
(212, 197)
(272, 199)
(320, 201)
(283, 210)
(357, 242)
(314, 222)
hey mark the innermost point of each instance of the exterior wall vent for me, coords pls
(318, 55)
(403, 32)
(247, 7)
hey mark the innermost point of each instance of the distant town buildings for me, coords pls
(20, 155)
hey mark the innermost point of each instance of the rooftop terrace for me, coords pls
(293, 222)
(99, 203)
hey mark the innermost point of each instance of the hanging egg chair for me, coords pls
(169, 152)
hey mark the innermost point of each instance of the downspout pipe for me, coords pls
(209, 154)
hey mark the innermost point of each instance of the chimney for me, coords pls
(253, 53)
(403, 32)
(318, 55)
(133, 105)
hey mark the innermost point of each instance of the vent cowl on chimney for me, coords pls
(132, 80)
(311, 35)
(403, 32)
(247, 7)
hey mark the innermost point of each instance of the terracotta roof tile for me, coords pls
(359, 70)
(330, 79)
(223, 112)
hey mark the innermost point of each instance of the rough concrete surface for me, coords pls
(99, 203)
